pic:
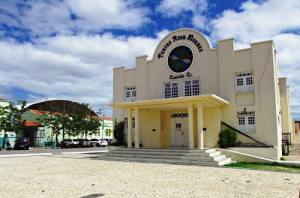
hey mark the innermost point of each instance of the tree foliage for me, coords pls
(11, 117)
(119, 132)
(82, 122)
(54, 121)
(76, 121)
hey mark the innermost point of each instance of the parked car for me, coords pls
(84, 143)
(104, 143)
(66, 143)
(21, 143)
(98, 142)
(75, 143)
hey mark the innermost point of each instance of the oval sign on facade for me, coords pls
(180, 59)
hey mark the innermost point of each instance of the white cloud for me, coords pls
(173, 8)
(258, 21)
(200, 22)
(71, 67)
(272, 19)
(44, 18)
(98, 14)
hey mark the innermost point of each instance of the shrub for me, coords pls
(227, 138)
(119, 132)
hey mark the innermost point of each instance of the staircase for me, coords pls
(295, 149)
(210, 157)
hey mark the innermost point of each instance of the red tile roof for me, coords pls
(31, 124)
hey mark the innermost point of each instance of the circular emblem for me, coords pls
(180, 59)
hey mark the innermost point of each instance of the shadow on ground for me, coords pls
(96, 195)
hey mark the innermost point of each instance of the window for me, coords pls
(171, 89)
(239, 81)
(130, 94)
(244, 82)
(187, 88)
(251, 120)
(249, 80)
(133, 93)
(241, 120)
(246, 121)
(180, 59)
(178, 125)
(192, 87)
(196, 87)
(168, 90)
(175, 91)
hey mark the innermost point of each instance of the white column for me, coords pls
(200, 125)
(191, 126)
(129, 129)
(137, 128)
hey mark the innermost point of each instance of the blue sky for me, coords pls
(67, 48)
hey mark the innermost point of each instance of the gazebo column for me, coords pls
(137, 128)
(129, 130)
(191, 126)
(200, 126)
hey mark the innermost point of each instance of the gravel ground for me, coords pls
(76, 176)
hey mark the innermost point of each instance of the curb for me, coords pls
(25, 155)
(84, 152)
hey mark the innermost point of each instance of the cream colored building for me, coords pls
(184, 94)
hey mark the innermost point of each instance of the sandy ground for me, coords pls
(74, 176)
(292, 158)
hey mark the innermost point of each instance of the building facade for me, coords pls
(183, 95)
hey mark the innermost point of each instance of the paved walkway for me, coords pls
(74, 176)
(40, 151)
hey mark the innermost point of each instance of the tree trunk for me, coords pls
(3, 140)
(56, 140)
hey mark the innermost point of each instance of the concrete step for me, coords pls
(160, 150)
(168, 161)
(219, 158)
(160, 153)
(190, 158)
(208, 157)
(215, 154)
(210, 150)
(225, 161)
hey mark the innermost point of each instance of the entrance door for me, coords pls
(179, 132)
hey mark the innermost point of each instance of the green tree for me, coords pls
(82, 122)
(54, 121)
(119, 132)
(11, 117)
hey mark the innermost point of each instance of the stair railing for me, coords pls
(245, 135)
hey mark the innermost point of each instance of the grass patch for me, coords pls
(269, 167)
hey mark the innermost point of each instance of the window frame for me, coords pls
(248, 125)
(171, 89)
(244, 82)
(193, 87)
(128, 93)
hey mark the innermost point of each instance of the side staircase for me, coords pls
(209, 157)
(295, 149)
